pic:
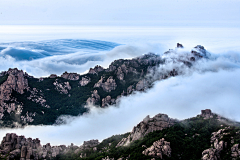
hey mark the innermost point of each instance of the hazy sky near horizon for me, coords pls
(124, 12)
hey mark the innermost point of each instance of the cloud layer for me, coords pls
(211, 84)
(70, 55)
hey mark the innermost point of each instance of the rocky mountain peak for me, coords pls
(158, 122)
(199, 52)
(70, 76)
(206, 114)
(96, 69)
(16, 81)
(179, 45)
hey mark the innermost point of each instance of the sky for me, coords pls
(215, 24)
(124, 12)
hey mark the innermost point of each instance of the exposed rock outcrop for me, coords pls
(53, 76)
(28, 148)
(206, 114)
(16, 81)
(218, 145)
(141, 85)
(199, 52)
(107, 158)
(158, 122)
(70, 76)
(179, 45)
(107, 86)
(94, 98)
(96, 69)
(123, 77)
(37, 97)
(235, 151)
(63, 88)
(158, 149)
(85, 80)
(89, 144)
(108, 101)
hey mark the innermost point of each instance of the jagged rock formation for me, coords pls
(219, 145)
(206, 114)
(16, 81)
(107, 158)
(108, 101)
(70, 76)
(179, 45)
(158, 149)
(107, 86)
(141, 85)
(63, 88)
(235, 151)
(183, 140)
(85, 81)
(21, 93)
(37, 97)
(96, 70)
(158, 122)
(19, 147)
(87, 145)
(52, 76)
(94, 98)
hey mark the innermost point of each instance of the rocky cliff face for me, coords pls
(63, 88)
(220, 144)
(94, 98)
(154, 144)
(108, 85)
(158, 149)
(19, 147)
(20, 93)
(85, 81)
(16, 81)
(158, 122)
(96, 70)
(70, 76)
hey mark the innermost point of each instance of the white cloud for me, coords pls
(78, 62)
(180, 97)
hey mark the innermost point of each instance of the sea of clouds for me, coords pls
(40, 59)
(211, 83)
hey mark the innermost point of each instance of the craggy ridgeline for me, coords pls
(207, 136)
(28, 100)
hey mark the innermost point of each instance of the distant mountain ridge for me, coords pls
(207, 136)
(28, 100)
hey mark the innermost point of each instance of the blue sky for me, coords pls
(121, 12)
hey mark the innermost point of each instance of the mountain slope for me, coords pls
(28, 100)
(207, 136)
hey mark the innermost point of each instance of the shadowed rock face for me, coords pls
(16, 81)
(158, 122)
(28, 148)
(207, 113)
(158, 149)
